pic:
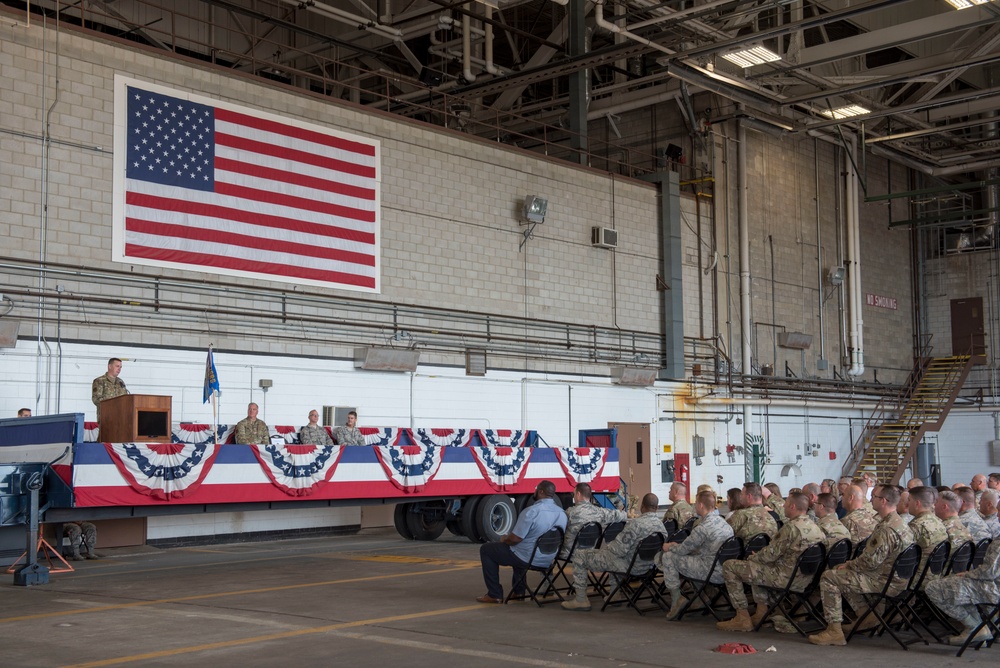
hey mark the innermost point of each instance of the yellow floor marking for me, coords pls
(240, 592)
(271, 636)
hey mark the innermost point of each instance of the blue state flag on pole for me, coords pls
(211, 378)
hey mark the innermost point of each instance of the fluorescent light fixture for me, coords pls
(755, 55)
(846, 112)
(965, 4)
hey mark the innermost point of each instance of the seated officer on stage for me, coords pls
(349, 434)
(515, 548)
(695, 555)
(583, 511)
(771, 567)
(313, 433)
(250, 430)
(616, 555)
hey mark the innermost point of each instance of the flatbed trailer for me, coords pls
(472, 482)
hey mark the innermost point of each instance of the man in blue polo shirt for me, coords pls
(515, 548)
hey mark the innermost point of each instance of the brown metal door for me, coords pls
(634, 456)
(968, 332)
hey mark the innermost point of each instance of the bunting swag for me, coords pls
(515, 438)
(409, 467)
(290, 434)
(382, 435)
(501, 466)
(298, 470)
(163, 471)
(198, 434)
(581, 464)
(449, 438)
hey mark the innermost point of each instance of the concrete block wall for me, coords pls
(450, 204)
(964, 447)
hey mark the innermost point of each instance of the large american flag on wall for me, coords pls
(210, 186)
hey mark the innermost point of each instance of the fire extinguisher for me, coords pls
(684, 474)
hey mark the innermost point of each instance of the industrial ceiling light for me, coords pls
(534, 209)
(965, 4)
(846, 111)
(754, 55)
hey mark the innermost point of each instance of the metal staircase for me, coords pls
(888, 443)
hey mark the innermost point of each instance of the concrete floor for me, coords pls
(367, 599)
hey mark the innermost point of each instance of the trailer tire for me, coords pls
(495, 515)
(423, 529)
(521, 502)
(467, 519)
(455, 527)
(399, 518)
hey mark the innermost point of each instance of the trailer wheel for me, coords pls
(399, 519)
(521, 502)
(422, 527)
(467, 519)
(495, 517)
(455, 527)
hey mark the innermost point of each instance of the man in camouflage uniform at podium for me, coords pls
(107, 386)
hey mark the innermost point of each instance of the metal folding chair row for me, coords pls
(548, 543)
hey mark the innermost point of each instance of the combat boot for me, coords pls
(678, 604)
(984, 634)
(758, 615)
(576, 605)
(833, 635)
(76, 554)
(741, 622)
(92, 555)
(870, 622)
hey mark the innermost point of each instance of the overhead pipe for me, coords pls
(747, 403)
(467, 49)
(348, 18)
(618, 30)
(491, 68)
(856, 325)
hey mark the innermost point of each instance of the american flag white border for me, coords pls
(118, 184)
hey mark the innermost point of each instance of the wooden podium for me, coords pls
(135, 418)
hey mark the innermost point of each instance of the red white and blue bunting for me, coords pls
(514, 438)
(298, 470)
(381, 436)
(581, 464)
(163, 471)
(501, 466)
(410, 467)
(448, 438)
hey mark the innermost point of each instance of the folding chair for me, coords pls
(979, 553)
(670, 526)
(586, 539)
(838, 553)
(960, 558)
(904, 568)
(731, 549)
(936, 562)
(689, 525)
(548, 543)
(679, 536)
(632, 586)
(777, 518)
(810, 562)
(860, 547)
(755, 544)
(990, 614)
(611, 532)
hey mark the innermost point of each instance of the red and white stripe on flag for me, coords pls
(209, 186)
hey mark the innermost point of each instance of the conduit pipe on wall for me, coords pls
(856, 325)
(743, 218)
(799, 403)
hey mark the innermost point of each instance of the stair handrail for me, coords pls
(884, 406)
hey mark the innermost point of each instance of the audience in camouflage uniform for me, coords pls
(615, 555)
(867, 573)
(680, 511)
(857, 520)
(828, 522)
(946, 508)
(969, 516)
(770, 568)
(957, 595)
(752, 518)
(584, 511)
